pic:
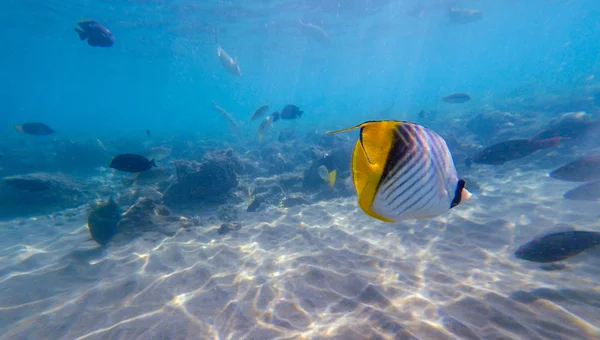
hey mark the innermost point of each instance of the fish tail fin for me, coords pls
(152, 164)
(81, 34)
(18, 128)
(300, 113)
(332, 177)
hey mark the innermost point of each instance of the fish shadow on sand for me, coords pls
(558, 296)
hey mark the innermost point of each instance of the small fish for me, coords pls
(557, 246)
(571, 127)
(103, 221)
(315, 32)
(231, 122)
(95, 33)
(327, 176)
(261, 111)
(228, 63)
(456, 98)
(35, 129)
(290, 112)
(513, 149)
(130, 162)
(464, 16)
(264, 127)
(584, 169)
(586, 192)
(404, 171)
(422, 114)
(158, 153)
(148, 133)
(101, 145)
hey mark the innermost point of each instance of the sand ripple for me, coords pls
(324, 271)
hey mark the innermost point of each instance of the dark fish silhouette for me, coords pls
(148, 133)
(35, 129)
(456, 98)
(464, 16)
(103, 221)
(275, 116)
(95, 33)
(290, 112)
(585, 192)
(557, 246)
(584, 169)
(513, 149)
(130, 162)
(568, 129)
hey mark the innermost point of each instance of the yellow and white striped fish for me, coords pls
(404, 171)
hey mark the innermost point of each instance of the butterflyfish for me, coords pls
(404, 171)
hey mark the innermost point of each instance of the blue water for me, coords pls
(309, 265)
(162, 72)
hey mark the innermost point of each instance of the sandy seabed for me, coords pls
(324, 271)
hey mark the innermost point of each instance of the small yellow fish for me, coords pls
(327, 176)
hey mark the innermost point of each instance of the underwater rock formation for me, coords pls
(491, 123)
(37, 194)
(210, 181)
(338, 159)
(275, 160)
(225, 228)
(103, 221)
(148, 216)
(73, 157)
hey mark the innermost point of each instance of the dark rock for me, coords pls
(491, 123)
(262, 199)
(37, 194)
(227, 213)
(103, 221)
(210, 181)
(227, 227)
(147, 216)
(274, 160)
